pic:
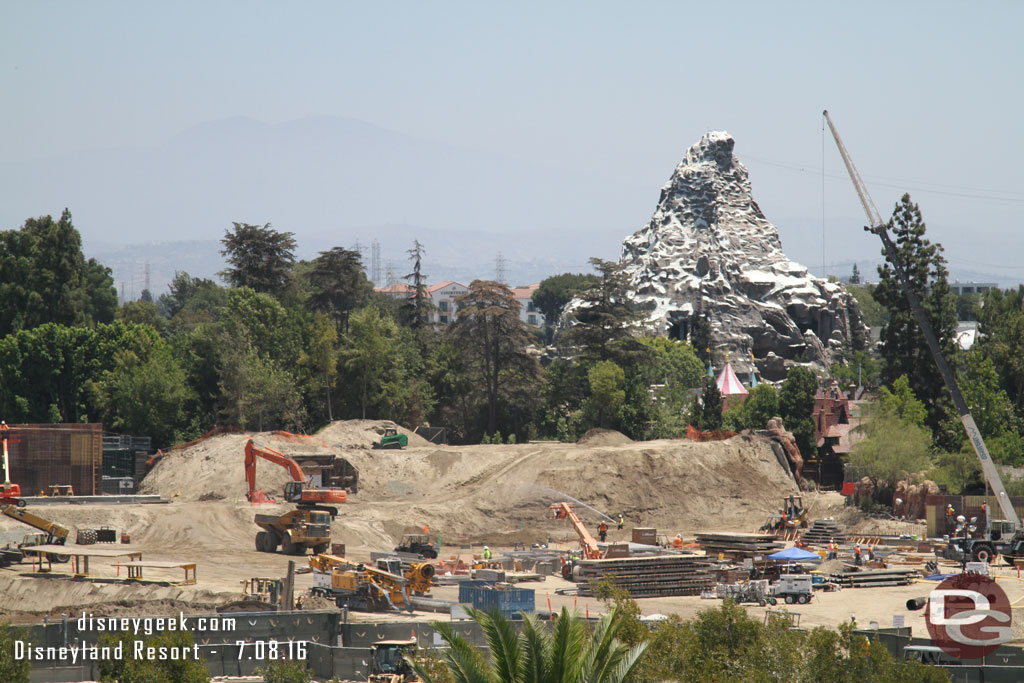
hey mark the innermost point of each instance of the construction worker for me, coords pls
(4, 428)
(871, 553)
(621, 521)
(677, 542)
(831, 550)
(487, 553)
(950, 517)
(857, 559)
(602, 531)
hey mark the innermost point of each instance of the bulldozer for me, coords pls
(388, 662)
(392, 439)
(294, 531)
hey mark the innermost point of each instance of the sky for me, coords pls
(927, 97)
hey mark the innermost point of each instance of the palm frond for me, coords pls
(536, 642)
(503, 641)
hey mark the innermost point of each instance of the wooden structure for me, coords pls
(79, 556)
(135, 567)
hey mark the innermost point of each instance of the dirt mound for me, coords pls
(604, 437)
(364, 433)
(214, 468)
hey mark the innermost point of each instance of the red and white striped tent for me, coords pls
(729, 383)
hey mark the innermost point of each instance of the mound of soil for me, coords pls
(604, 437)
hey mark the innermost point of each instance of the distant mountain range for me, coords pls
(332, 181)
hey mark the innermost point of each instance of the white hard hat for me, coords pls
(486, 548)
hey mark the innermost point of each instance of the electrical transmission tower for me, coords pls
(375, 262)
(499, 268)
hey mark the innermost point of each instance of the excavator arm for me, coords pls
(253, 451)
(587, 541)
(56, 533)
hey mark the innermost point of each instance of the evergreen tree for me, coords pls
(416, 310)
(602, 326)
(259, 258)
(338, 284)
(903, 349)
(796, 406)
(711, 407)
(855, 277)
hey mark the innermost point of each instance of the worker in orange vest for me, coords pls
(677, 542)
(602, 530)
(857, 560)
(871, 553)
(4, 428)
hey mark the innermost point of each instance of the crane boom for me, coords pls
(973, 433)
(587, 541)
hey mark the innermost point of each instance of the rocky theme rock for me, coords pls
(709, 256)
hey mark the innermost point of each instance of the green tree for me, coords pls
(796, 406)
(13, 670)
(494, 339)
(892, 448)
(258, 258)
(873, 313)
(144, 392)
(570, 652)
(761, 405)
(258, 392)
(606, 392)
(286, 672)
(711, 408)
(991, 409)
(903, 348)
(151, 669)
(556, 291)
(193, 300)
(855, 276)
(44, 278)
(417, 307)
(1001, 338)
(602, 326)
(902, 402)
(368, 354)
(338, 284)
(143, 313)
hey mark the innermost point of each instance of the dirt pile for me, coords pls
(501, 492)
(214, 468)
(604, 437)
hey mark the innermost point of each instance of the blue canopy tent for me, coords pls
(795, 554)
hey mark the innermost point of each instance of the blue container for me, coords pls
(507, 601)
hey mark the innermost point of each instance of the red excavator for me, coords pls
(295, 491)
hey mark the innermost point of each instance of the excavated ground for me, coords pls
(466, 495)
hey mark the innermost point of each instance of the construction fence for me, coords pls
(46, 455)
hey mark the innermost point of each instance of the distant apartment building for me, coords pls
(443, 295)
(959, 288)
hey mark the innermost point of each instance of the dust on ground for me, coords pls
(464, 495)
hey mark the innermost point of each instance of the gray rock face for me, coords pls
(709, 253)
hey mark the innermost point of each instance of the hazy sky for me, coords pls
(927, 95)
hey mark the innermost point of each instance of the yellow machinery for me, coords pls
(55, 534)
(388, 663)
(790, 521)
(361, 587)
(294, 531)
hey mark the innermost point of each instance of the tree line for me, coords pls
(292, 344)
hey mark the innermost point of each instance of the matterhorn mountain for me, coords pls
(709, 257)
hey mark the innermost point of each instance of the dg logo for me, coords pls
(968, 616)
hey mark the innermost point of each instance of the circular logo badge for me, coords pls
(968, 616)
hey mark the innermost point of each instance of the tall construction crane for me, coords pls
(877, 226)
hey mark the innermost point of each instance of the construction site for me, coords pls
(377, 532)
